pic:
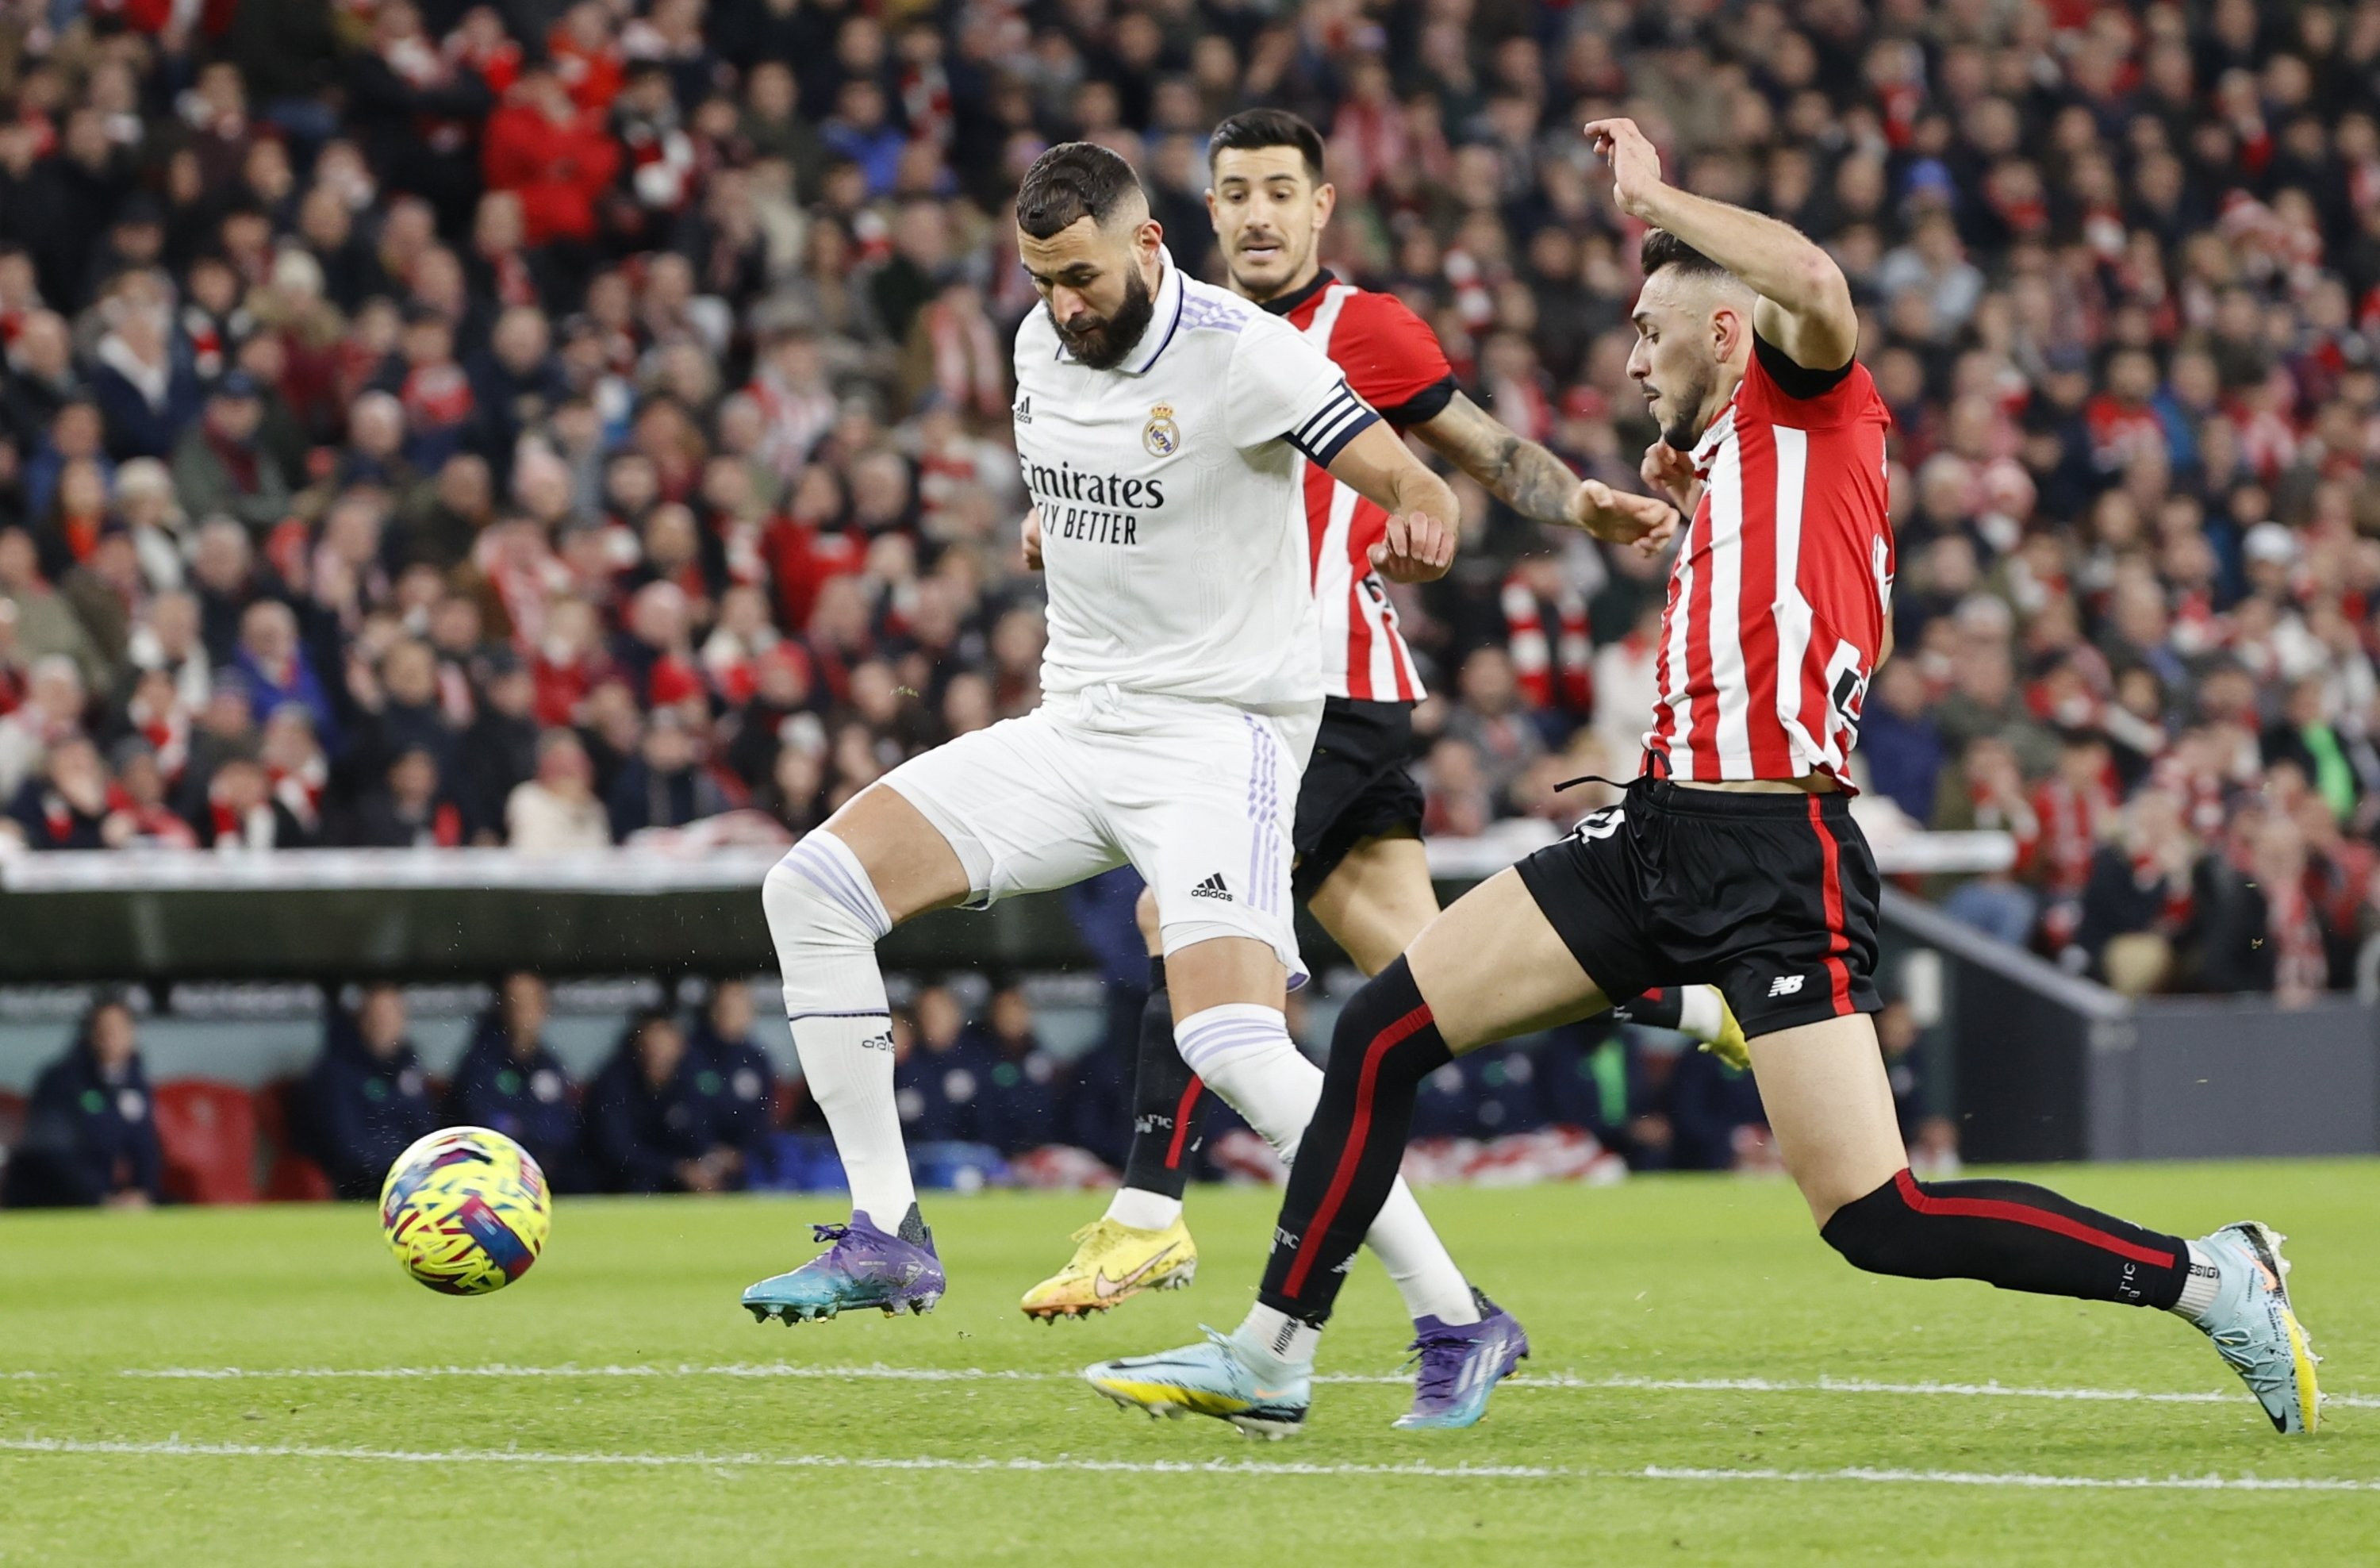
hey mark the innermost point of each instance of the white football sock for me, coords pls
(825, 919)
(1273, 1340)
(1244, 1052)
(1700, 1013)
(2201, 1287)
(1144, 1211)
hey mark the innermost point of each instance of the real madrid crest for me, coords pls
(1162, 436)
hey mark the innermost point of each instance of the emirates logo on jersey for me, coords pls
(1162, 436)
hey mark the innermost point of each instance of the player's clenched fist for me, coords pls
(1417, 548)
(1670, 471)
(1029, 536)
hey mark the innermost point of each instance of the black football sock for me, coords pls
(1168, 1101)
(2011, 1235)
(1384, 1046)
(1654, 1009)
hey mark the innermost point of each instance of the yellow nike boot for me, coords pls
(1727, 1044)
(1114, 1263)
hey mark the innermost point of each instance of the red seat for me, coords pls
(290, 1177)
(207, 1131)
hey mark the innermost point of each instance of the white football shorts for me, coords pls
(1198, 796)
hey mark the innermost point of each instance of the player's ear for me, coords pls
(1210, 210)
(1148, 238)
(1326, 201)
(1727, 326)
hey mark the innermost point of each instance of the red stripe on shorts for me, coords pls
(1830, 887)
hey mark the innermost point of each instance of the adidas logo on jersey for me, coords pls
(1785, 985)
(1022, 412)
(1211, 888)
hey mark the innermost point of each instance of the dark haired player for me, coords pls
(1734, 860)
(1360, 867)
(1158, 424)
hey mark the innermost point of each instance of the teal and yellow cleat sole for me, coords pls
(1205, 1380)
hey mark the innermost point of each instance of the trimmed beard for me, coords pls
(1103, 347)
(1682, 433)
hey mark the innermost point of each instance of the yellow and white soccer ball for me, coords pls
(466, 1210)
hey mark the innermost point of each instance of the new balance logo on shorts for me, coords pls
(1211, 888)
(1786, 985)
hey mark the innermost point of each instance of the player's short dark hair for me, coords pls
(1072, 181)
(1663, 249)
(1252, 129)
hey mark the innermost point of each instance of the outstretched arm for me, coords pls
(1539, 485)
(1423, 515)
(1805, 304)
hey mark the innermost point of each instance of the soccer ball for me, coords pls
(466, 1210)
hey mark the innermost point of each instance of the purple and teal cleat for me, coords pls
(1461, 1364)
(866, 1267)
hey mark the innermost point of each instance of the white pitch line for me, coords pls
(175, 1448)
(880, 1372)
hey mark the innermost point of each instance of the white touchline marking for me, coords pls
(879, 1371)
(175, 1448)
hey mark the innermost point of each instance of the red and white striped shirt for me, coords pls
(1777, 602)
(1393, 362)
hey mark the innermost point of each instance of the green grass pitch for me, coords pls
(1710, 1384)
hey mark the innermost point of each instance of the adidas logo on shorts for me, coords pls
(1212, 888)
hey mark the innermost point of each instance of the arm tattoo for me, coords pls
(1515, 470)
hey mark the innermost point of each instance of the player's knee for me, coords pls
(1385, 1013)
(1144, 915)
(1881, 1233)
(818, 896)
(1243, 1051)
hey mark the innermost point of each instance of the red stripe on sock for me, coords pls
(1830, 887)
(1924, 1202)
(1352, 1155)
(1182, 1123)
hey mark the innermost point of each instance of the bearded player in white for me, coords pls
(1156, 422)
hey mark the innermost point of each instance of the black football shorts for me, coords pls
(1358, 785)
(1772, 898)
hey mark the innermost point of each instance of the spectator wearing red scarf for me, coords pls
(219, 465)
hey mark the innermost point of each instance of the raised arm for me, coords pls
(1539, 485)
(1423, 515)
(1805, 304)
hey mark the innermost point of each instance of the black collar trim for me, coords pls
(1282, 304)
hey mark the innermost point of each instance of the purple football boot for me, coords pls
(866, 1267)
(1461, 1364)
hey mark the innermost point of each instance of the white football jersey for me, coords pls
(1173, 531)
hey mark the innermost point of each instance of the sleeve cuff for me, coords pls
(1423, 405)
(1325, 432)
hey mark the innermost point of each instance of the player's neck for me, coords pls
(1281, 302)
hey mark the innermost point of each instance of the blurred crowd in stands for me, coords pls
(690, 1102)
(541, 423)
